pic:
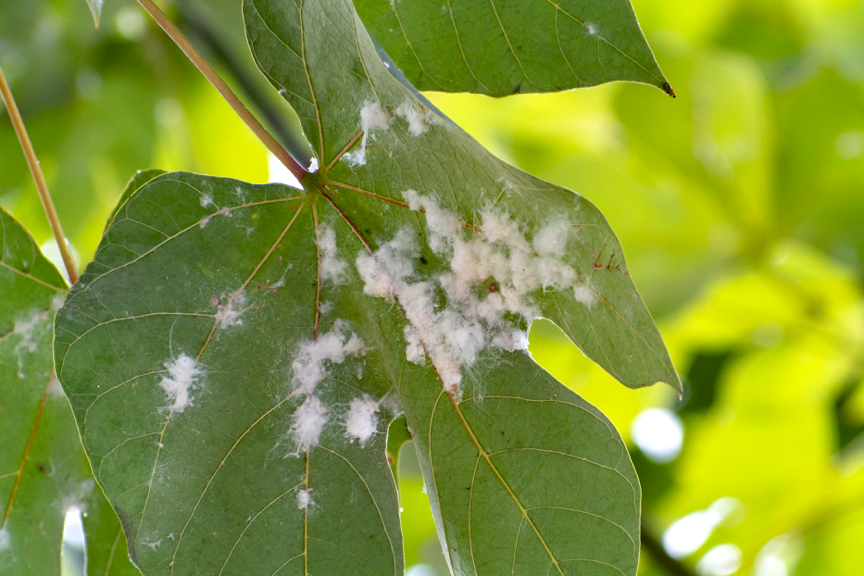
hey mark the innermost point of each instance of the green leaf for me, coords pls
(217, 315)
(397, 435)
(215, 487)
(503, 48)
(445, 163)
(528, 477)
(43, 470)
(139, 179)
(36, 475)
(104, 540)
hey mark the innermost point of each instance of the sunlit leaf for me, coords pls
(502, 48)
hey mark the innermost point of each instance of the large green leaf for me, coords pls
(215, 488)
(222, 325)
(43, 470)
(446, 164)
(511, 46)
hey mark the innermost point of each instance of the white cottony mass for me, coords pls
(361, 421)
(473, 320)
(310, 368)
(182, 374)
(308, 422)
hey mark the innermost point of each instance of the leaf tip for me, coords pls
(95, 10)
(676, 385)
(667, 88)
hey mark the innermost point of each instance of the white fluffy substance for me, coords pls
(5, 539)
(418, 118)
(182, 375)
(454, 336)
(229, 313)
(372, 117)
(30, 329)
(333, 347)
(442, 225)
(584, 294)
(307, 422)
(304, 499)
(310, 368)
(551, 240)
(332, 267)
(361, 421)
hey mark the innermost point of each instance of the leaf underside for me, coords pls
(524, 476)
(506, 47)
(43, 470)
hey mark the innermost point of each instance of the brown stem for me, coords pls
(239, 108)
(38, 178)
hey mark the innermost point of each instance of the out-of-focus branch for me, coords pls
(239, 108)
(197, 27)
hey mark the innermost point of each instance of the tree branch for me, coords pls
(38, 178)
(239, 108)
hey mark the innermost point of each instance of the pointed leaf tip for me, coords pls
(667, 88)
(96, 10)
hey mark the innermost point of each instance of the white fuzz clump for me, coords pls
(308, 422)
(182, 374)
(442, 225)
(584, 294)
(372, 117)
(551, 240)
(384, 273)
(206, 200)
(30, 330)
(454, 336)
(229, 313)
(5, 539)
(304, 499)
(332, 347)
(361, 421)
(332, 267)
(310, 368)
(418, 118)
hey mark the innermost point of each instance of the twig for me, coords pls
(183, 43)
(38, 178)
(198, 28)
(653, 546)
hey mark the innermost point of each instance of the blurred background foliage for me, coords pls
(740, 205)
